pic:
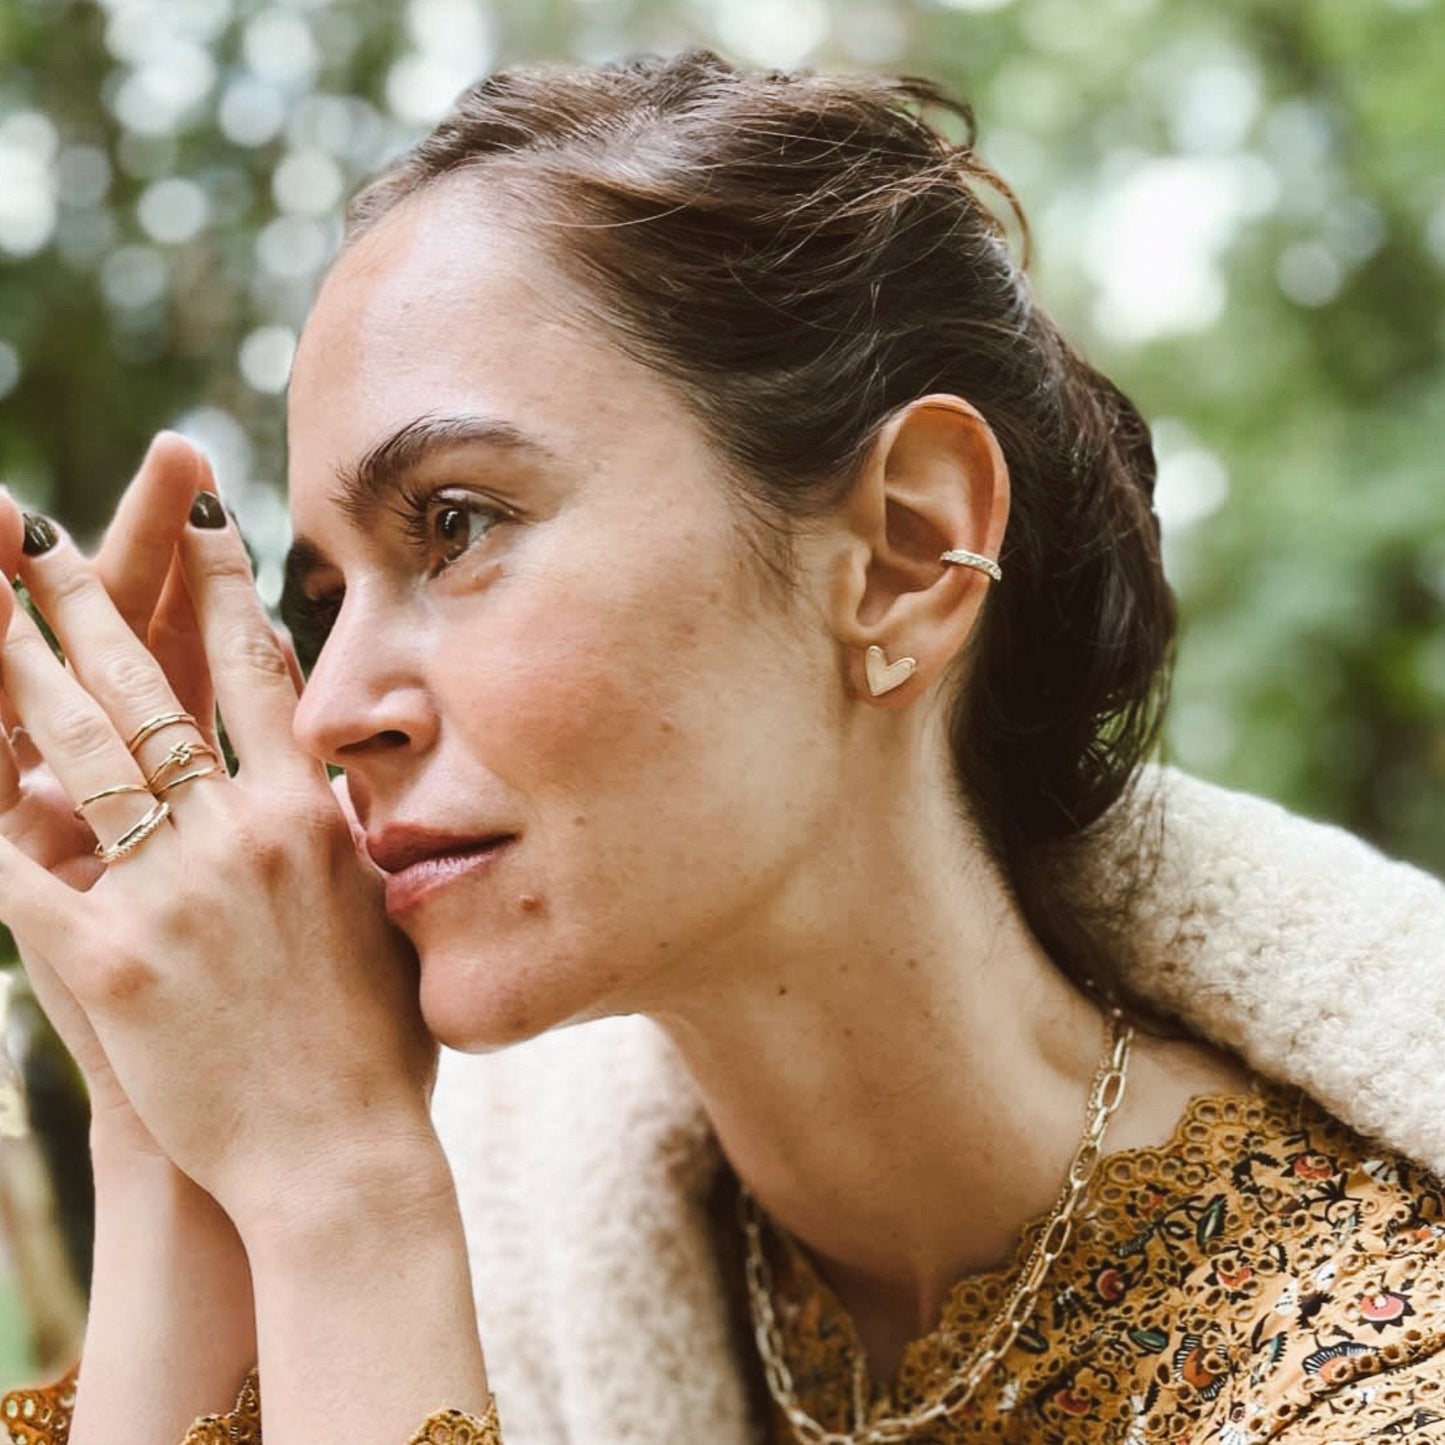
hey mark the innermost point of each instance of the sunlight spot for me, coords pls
(767, 33)
(1309, 274)
(265, 358)
(173, 211)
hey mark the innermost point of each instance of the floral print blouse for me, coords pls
(1267, 1275)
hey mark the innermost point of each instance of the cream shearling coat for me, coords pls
(583, 1158)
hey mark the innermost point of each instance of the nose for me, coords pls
(365, 706)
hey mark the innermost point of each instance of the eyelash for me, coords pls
(417, 509)
(310, 619)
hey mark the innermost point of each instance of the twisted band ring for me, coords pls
(135, 835)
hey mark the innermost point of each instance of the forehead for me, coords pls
(439, 309)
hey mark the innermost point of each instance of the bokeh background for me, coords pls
(1238, 208)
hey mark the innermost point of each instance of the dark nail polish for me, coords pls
(207, 511)
(40, 536)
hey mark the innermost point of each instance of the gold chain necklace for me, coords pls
(1105, 1094)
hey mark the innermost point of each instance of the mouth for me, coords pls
(419, 864)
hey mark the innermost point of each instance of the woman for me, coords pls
(733, 605)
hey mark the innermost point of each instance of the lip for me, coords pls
(419, 862)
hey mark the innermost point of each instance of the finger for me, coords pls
(140, 542)
(22, 749)
(12, 533)
(9, 776)
(249, 669)
(113, 667)
(9, 762)
(33, 903)
(71, 731)
(176, 643)
(293, 663)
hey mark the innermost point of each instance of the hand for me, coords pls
(237, 967)
(136, 564)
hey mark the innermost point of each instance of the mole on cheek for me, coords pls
(529, 903)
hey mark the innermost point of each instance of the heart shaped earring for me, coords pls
(884, 676)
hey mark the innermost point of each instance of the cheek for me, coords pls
(571, 705)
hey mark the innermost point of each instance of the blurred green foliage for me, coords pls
(1238, 208)
(15, 1357)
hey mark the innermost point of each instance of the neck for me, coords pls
(901, 1081)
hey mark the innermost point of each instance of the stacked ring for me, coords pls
(135, 835)
(210, 770)
(181, 756)
(114, 792)
(155, 724)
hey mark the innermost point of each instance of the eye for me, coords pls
(456, 526)
(443, 526)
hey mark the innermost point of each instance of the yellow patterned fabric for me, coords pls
(1268, 1275)
(241, 1427)
(42, 1417)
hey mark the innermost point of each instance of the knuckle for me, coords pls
(80, 732)
(290, 829)
(226, 565)
(70, 585)
(122, 977)
(125, 673)
(263, 842)
(29, 648)
(259, 654)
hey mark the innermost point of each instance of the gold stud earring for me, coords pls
(884, 676)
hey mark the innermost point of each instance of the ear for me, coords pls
(935, 478)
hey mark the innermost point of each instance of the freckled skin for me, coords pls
(599, 677)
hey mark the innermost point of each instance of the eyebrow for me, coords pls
(363, 486)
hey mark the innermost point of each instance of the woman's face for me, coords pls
(553, 632)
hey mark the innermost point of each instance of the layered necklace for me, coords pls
(1105, 1094)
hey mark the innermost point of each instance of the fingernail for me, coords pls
(40, 536)
(207, 511)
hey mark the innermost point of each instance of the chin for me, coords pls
(477, 1003)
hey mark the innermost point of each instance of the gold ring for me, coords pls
(208, 771)
(155, 724)
(135, 835)
(114, 792)
(180, 756)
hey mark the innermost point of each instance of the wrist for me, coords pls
(347, 1197)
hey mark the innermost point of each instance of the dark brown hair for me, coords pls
(801, 255)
